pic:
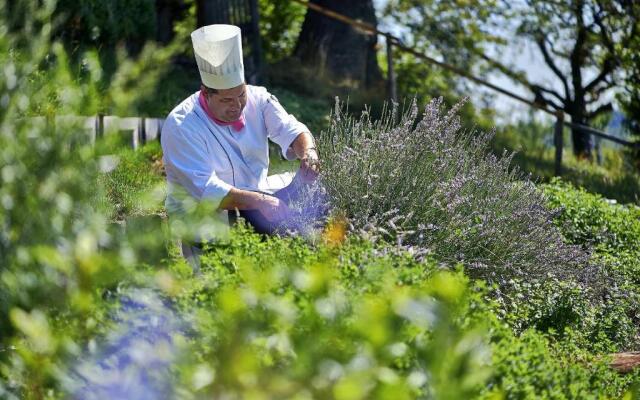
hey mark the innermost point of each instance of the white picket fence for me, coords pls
(141, 129)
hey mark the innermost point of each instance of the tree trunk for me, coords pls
(582, 141)
(336, 50)
(168, 12)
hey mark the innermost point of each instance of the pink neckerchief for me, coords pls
(237, 125)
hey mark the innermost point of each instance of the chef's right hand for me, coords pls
(273, 209)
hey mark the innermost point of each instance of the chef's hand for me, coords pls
(273, 209)
(310, 165)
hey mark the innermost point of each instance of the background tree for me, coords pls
(579, 41)
(629, 96)
(280, 23)
(105, 24)
(338, 51)
(168, 14)
(454, 32)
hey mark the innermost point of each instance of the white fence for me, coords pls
(141, 129)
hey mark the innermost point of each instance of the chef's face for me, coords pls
(227, 104)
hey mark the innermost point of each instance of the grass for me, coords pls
(616, 178)
(135, 186)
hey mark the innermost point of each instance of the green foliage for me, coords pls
(588, 218)
(280, 23)
(629, 96)
(607, 322)
(568, 312)
(613, 231)
(313, 112)
(345, 323)
(534, 366)
(576, 325)
(102, 24)
(47, 172)
(423, 81)
(455, 32)
(57, 249)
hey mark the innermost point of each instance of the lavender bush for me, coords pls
(430, 186)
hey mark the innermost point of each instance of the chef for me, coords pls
(215, 142)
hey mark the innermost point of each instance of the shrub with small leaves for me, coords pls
(429, 186)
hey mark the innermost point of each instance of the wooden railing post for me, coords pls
(558, 141)
(391, 75)
(100, 125)
(142, 131)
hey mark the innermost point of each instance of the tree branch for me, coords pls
(537, 90)
(542, 100)
(607, 69)
(549, 91)
(540, 41)
(600, 110)
(519, 77)
(610, 62)
(595, 94)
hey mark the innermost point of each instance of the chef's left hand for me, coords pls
(310, 165)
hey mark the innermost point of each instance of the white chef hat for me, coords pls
(218, 50)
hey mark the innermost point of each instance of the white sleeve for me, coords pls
(187, 159)
(282, 127)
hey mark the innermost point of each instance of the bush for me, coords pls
(612, 231)
(589, 219)
(94, 24)
(431, 187)
(313, 112)
(534, 366)
(599, 325)
(57, 248)
(280, 24)
(352, 321)
(346, 322)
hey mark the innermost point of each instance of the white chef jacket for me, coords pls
(205, 159)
